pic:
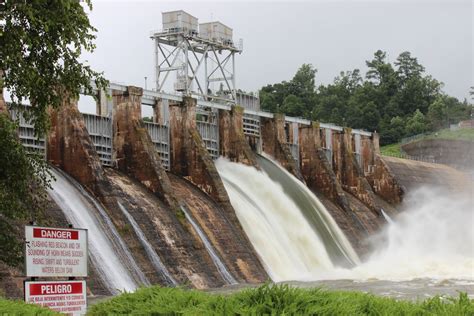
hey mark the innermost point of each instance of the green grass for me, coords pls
(461, 134)
(10, 307)
(391, 150)
(274, 300)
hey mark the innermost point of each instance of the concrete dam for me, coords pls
(209, 197)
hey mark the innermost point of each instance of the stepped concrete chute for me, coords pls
(274, 143)
(133, 150)
(232, 141)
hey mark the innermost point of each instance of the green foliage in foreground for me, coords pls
(23, 182)
(275, 300)
(8, 307)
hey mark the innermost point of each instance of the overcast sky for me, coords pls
(281, 36)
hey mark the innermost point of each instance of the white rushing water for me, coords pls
(151, 253)
(210, 249)
(79, 208)
(337, 245)
(288, 246)
(433, 238)
(387, 218)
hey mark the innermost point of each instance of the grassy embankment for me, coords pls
(460, 134)
(274, 300)
(264, 300)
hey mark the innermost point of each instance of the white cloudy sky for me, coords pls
(280, 36)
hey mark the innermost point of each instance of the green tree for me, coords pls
(23, 177)
(416, 124)
(40, 43)
(408, 67)
(393, 130)
(292, 106)
(438, 114)
(370, 116)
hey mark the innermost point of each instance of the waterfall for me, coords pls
(82, 210)
(387, 218)
(287, 244)
(337, 245)
(210, 249)
(151, 253)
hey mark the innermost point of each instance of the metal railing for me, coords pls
(430, 159)
(160, 136)
(251, 125)
(26, 133)
(208, 127)
(100, 132)
(295, 152)
(410, 139)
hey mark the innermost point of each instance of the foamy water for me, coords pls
(431, 239)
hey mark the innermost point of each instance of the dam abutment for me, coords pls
(275, 143)
(133, 151)
(232, 141)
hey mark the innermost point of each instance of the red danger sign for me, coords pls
(62, 296)
(55, 233)
(55, 252)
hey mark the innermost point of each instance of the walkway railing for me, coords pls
(430, 159)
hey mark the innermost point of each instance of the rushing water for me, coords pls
(336, 243)
(427, 249)
(387, 218)
(210, 249)
(81, 209)
(432, 238)
(151, 253)
(287, 244)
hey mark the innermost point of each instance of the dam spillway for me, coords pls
(287, 243)
(79, 209)
(291, 232)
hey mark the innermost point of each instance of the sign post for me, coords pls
(56, 252)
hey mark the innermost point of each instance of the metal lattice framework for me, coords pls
(195, 60)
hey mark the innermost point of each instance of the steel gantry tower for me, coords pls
(198, 55)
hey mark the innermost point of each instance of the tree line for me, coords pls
(396, 100)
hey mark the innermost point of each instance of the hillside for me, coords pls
(464, 134)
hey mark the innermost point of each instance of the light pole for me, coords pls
(145, 82)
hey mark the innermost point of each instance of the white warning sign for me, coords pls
(67, 297)
(55, 252)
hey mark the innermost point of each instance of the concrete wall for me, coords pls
(453, 152)
(133, 151)
(408, 175)
(274, 141)
(232, 141)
